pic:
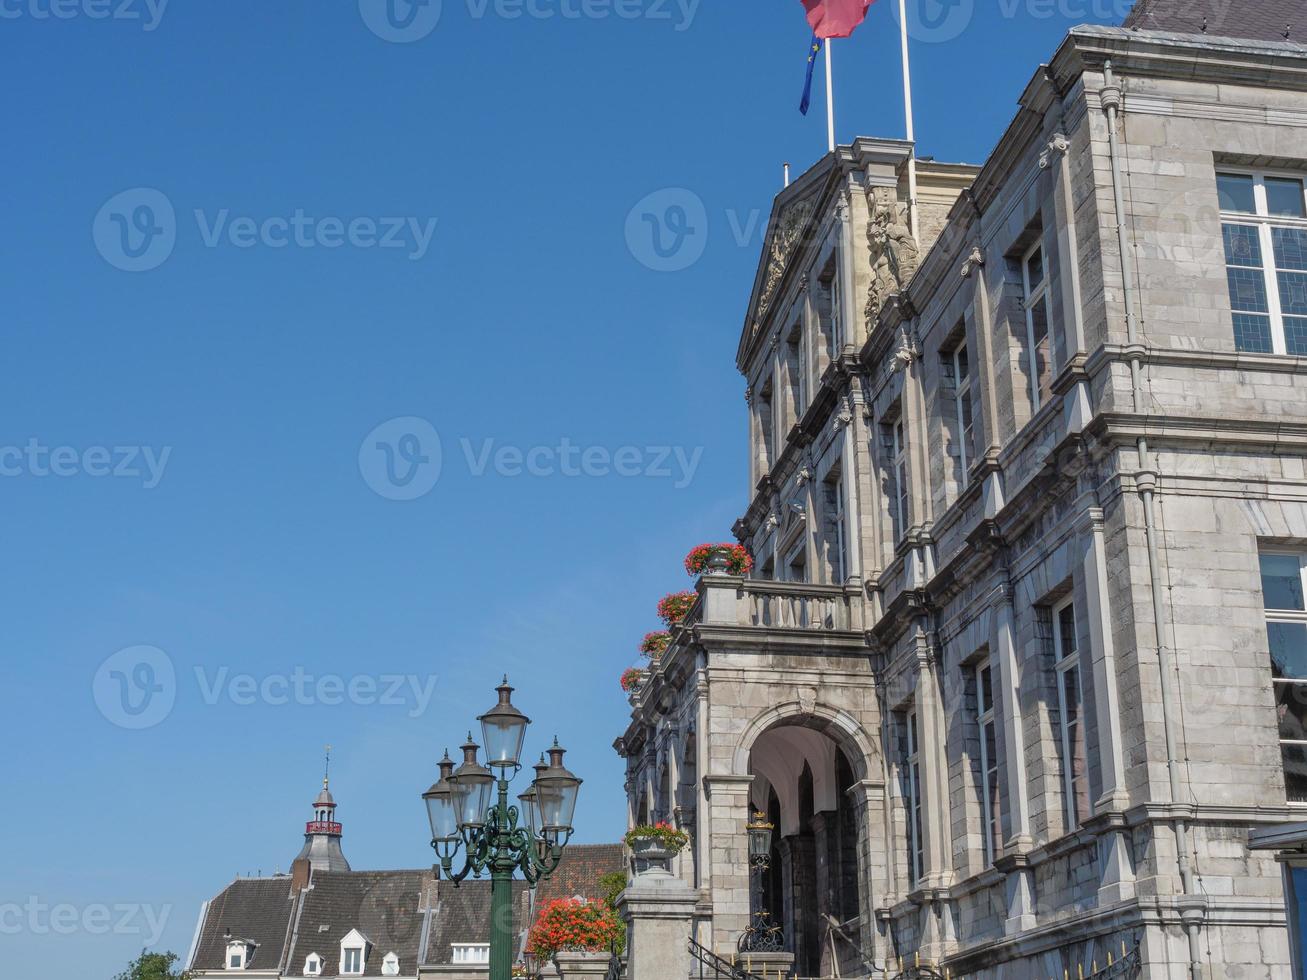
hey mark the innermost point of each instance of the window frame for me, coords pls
(894, 437)
(1032, 296)
(237, 950)
(1264, 222)
(1291, 617)
(953, 360)
(835, 296)
(459, 953)
(345, 952)
(915, 804)
(834, 493)
(991, 816)
(1064, 663)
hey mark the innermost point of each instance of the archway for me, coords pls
(802, 779)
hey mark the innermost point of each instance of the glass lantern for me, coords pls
(472, 783)
(503, 729)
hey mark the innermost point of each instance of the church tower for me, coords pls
(322, 834)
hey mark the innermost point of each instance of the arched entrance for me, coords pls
(802, 780)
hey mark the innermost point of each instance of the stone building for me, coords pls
(1020, 666)
(325, 920)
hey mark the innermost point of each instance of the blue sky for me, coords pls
(435, 223)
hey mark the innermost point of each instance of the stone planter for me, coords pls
(582, 964)
(652, 856)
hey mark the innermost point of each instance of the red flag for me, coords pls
(836, 18)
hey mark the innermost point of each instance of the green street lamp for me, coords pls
(501, 839)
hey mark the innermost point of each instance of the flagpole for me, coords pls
(907, 109)
(830, 99)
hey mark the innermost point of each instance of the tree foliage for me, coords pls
(152, 966)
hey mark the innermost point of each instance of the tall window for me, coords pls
(351, 960)
(1286, 627)
(912, 795)
(834, 513)
(1070, 702)
(836, 300)
(957, 371)
(796, 366)
(895, 449)
(766, 420)
(990, 814)
(1264, 227)
(1039, 360)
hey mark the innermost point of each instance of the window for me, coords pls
(990, 817)
(238, 954)
(471, 953)
(353, 953)
(834, 302)
(1070, 705)
(390, 965)
(313, 965)
(797, 563)
(796, 369)
(896, 459)
(1264, 229)
(765, 424)
(1286, 627)
(1039, 362)
(957, 371)
(834, 514)
(912, 795)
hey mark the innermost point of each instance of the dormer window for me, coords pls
(239, 952)
(471, 953)
(390, 965)
(353, 954)
(313, 965)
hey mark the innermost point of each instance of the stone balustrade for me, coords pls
(729, 601)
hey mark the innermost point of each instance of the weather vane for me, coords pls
(326, 768)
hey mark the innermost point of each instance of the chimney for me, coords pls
(301, 872)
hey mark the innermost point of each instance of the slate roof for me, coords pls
(388, 907)
(408, 913)
(1260, 20)
(579, 872)
(257, 909)
(462, 915)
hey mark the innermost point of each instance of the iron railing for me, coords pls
(713, 967)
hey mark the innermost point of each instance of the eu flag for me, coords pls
(814, 49)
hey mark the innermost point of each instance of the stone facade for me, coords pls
(1002, 676)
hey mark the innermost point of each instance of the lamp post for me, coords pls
(501, 839)
(762, 935)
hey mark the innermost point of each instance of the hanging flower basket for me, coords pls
(569, 925)
(673, 608)
(631, 679)
(654, 645)
(730, 559)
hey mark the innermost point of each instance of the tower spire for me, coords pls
(322, 834)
